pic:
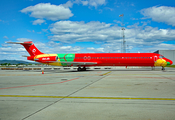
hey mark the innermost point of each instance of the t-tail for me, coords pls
(30, 47)
(35, 54)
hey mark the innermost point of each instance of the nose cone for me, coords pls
(171, 62)
(168, 61)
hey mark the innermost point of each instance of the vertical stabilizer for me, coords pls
(30, 47)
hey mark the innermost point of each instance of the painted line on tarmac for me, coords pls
(81, 74)
(78, 97)
(158, 77)
(173, 78)
(50, 74)
(105, 73)
(39, 84)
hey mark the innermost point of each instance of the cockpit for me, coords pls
(161, 56)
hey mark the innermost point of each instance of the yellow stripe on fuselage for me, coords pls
(45, 55)
(56, 63)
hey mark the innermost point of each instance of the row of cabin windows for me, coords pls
(107, 58)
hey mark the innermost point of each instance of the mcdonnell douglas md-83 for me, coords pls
(83, 60)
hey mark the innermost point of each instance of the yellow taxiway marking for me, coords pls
(78, 97)
(106, 73)
(54, 74)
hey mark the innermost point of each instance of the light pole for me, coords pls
(123, 46)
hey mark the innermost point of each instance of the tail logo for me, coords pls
(34, 50)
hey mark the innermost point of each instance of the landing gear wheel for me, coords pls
(79, 69)
(84, 69)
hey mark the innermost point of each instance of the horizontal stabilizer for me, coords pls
(25, 56)
(24, 43)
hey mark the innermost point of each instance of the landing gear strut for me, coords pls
(163, 68)
(81, 69)
(84, 69)
(153, 68)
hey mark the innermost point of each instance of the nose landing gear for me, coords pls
(163, 68)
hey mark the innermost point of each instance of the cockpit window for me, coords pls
(161, 56)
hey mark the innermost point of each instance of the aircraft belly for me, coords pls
(126, 63)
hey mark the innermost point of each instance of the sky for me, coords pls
(86, 26)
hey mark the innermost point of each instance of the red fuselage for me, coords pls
(120, 59)
(95, 59)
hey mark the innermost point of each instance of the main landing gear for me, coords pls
(81, 69)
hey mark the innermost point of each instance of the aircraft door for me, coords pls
(155, 58)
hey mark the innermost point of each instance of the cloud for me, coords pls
(31, 31)
(53, 47)
(96, 50)
(69, 31)
(161, 46)
(160, 14)
(96, 3)
(9, 49)
(38, 21)
(49, 11)
(155, 34)
(5, 37)
(93, 3)
(109, 36)
(90, 48)
(2, 21)
(68, 4)
(23, 39)
(13, 49)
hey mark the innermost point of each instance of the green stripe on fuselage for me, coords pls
(66, 57)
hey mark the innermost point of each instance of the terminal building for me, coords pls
(170, 54)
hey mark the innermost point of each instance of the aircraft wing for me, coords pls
(77, 63)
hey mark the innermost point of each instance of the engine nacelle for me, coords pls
(30, 58)
(46, 59)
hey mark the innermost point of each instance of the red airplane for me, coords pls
(83, 60)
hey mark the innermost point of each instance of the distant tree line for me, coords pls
(8, 64)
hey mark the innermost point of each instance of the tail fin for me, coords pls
(30, 47)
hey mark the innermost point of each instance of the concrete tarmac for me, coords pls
(134, 94)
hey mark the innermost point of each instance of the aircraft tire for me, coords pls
(79, 69)
(84, 69)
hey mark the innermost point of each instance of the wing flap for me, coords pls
(25, 56)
